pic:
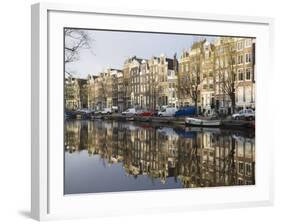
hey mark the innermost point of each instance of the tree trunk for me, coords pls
(195, 103)
(233, 105)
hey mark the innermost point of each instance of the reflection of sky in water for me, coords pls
(92, 174)
(108, 157)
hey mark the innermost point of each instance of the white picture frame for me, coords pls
(47, 201)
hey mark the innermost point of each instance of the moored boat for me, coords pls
(69, 115)
(202, 122)
(96, 117)
(131, 118)
(235, 124)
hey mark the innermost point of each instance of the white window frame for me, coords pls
(241, 71)
(240, 45)
(240, 56)
(249, 54)
(248, 42)
(248, 69)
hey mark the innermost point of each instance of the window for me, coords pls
(226, 75)
(186, 67)
(241, 167)
(226, 62)
(210, 74)
(206, 55)
(248, 74)
(239, 45)
(217, 63)
(234, 76)
(233, 61)
(248, 94)
(248, 57)
(241, 75)
(248, 168)
(248, 42)
(240, 59)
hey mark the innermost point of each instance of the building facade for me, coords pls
(219, 76)
(75, 93)
(216, 77)
(151, 82)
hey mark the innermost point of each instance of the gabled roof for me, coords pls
(170, 63)
(115, 69)
(198, 44)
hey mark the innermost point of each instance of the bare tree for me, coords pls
(194, 81)
(229, 86)
(227, 72)
(75, 40)
(190, 82)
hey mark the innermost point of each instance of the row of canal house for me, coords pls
(142, 83)
(221, 71)
(76, 93)
(149, 83)
(205, 159)
(215, 75)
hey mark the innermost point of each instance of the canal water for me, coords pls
(111, 156)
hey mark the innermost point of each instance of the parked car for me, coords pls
(138, 112)
(147, 113)
(167, 112)
(186, 111)
(129, 112)
(114, 109)
(155, 113)
(248, 114)
(98, 112)
(106, 110)
(84, 113)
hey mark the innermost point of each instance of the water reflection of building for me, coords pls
(196, 158)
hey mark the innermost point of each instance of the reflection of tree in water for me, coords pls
(197, 158)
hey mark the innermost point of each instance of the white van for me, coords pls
(106, 110)
(167, 112)
(114, 109)
(129, 112)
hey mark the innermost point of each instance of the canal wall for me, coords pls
(226, 123)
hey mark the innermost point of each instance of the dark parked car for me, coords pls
(68, 114)
(147, 113)
(186, 111)
(84, 113)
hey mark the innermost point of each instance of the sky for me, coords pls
(109, 49)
